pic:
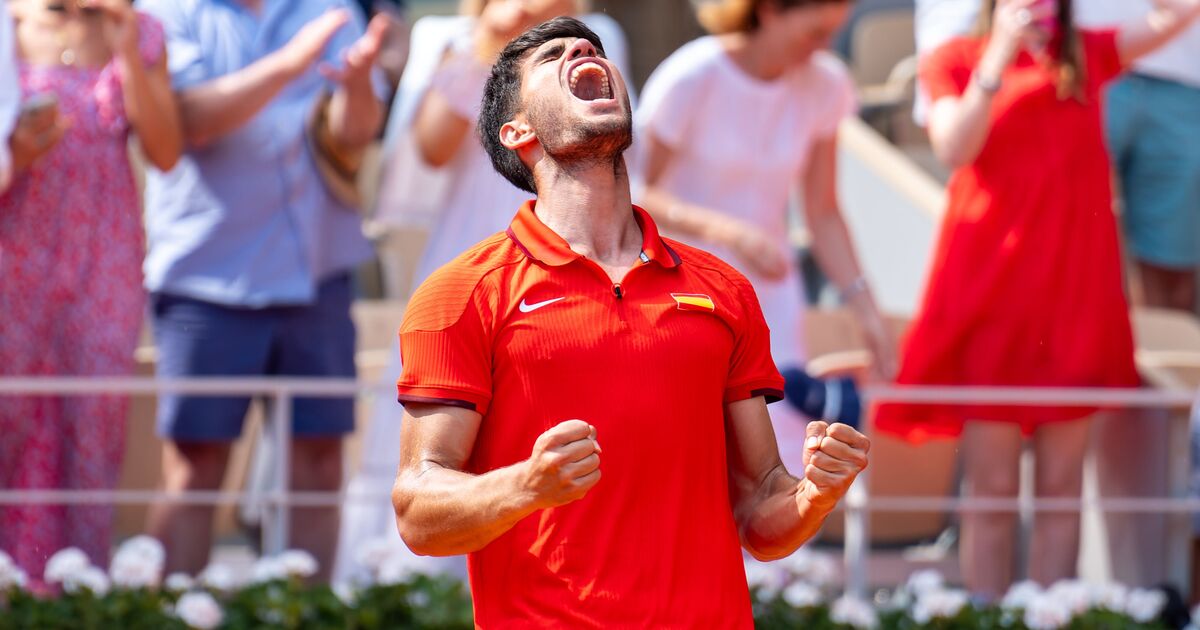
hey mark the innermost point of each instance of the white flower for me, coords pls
(767, 578)
(925, 581)
(90, 578)
(812, 567)
(373, 553)
(394, 570)
(419, 599)
(1046, 612)
(1145, 605)
(1073, 594)
(345, 592)
(802, 595)
(298, 563)
(199, 610)
(939, 603)
(179, 582)
(268, 569)
(1111, 596)
(219, 577)
(138, 563)
(854, 612)
(10, 574)
(900, 599)
(1020, 595)
(64, 564)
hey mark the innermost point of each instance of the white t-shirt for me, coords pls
(741, 146)
(10, 92)
(1178, 60)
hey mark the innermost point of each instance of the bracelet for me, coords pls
(988, 86)
(856, 286)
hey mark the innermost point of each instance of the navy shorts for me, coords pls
(199, 338)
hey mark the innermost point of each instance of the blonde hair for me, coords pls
(475, 7)
(719, 17)
(1068, 54)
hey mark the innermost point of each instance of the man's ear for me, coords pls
(517, 134)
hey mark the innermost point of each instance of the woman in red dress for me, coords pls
(1026, 285)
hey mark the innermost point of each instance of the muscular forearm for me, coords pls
(444, 512)
(1156, 28)
(781, 518)
(216, 108)
(354, 115)
(152, 111)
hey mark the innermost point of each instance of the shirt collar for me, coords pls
(543, 245)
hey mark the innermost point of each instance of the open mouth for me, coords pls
(589, 82)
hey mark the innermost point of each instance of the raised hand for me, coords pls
(1018, 21)
(834, 454)
(120, 25)
(564, 465)
(360, 57)
(759, 252)
(307, 45)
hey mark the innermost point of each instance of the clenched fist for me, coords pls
(834, 454)
(564, 465)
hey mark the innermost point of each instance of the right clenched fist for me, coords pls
(564, 465)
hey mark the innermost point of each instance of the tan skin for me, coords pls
(440, 130)
(108, 32)
(958, 129)
(443, 510)
(210, 111)
(785, 38)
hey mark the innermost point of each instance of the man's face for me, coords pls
(576, 102)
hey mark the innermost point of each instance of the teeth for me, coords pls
(605, 88)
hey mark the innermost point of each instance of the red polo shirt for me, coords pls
(529, 334)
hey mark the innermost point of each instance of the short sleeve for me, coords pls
(841, 98)
(151, 39)
(663, 112)
(1102, 55)
(752, 371)
(446, 344)
(185, 56)
(947, 70)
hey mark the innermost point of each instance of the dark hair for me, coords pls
(502, 94)
(741, 16)
(1068, 54)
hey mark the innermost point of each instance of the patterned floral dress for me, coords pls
(71, 303)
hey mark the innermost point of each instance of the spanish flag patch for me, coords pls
(693, 302)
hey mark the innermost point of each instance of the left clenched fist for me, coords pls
(834, 454)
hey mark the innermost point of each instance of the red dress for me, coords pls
(71, 303)
(1025, 286)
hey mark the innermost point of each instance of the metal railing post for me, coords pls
(277, 527)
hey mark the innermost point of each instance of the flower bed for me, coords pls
(794, 593)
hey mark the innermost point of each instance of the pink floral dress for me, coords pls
(71, 303)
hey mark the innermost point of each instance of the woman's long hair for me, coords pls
(1068, 51)
(741, 16)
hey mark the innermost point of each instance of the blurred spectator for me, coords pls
(10, 94)
(1153, 119)
(251, 244)
(730, 127)
(394, 54)
(938, 21)
(91, 74)
(1025, 288)
(437, 172)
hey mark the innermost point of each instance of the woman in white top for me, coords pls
(730, 127)
(437, 176)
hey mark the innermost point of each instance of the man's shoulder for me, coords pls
(441, 300)
(709, 266)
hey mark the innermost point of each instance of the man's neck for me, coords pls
(591, 210)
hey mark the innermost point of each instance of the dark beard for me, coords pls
(574, 145)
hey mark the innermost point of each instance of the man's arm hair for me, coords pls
(776, 512)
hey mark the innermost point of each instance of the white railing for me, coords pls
(856, 506)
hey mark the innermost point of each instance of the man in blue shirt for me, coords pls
(249, 252)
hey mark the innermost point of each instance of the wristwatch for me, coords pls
(989, 86)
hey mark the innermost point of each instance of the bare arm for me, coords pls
(216, 108)
(959, 126)
(442, 510)
(752, 246)
(1168, 19)
(835, 251)
(775, 512)
(439, 130)
(355, 113)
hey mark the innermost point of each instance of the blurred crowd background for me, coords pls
(938, 192)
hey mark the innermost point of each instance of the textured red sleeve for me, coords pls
(1102, 57)
(446, 342)
(947, 70)
(752, 371)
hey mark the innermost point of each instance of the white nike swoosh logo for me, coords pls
(529, 308)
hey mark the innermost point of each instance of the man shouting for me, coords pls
(580, 327)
